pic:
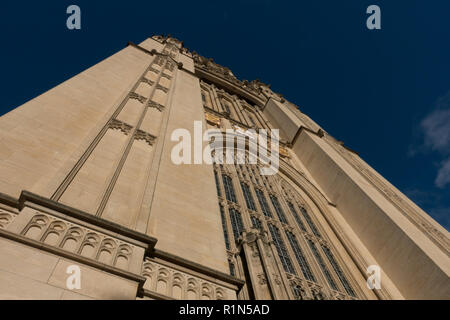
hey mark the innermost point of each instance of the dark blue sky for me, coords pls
(385, 93)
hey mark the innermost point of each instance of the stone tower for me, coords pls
(87, 183)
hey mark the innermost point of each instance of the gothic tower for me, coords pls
(87, 183)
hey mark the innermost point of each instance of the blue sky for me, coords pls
(385, 93)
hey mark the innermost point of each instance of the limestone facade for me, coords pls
(86, 179)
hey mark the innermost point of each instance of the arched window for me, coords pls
(224, 228)
(278, 209)
(322, 265)
(338, 271)
(248, 196)
(301, 259)
(229, 189)
(310, 222)
(281, 249)
(236, 223)
(262, 201)
(296, 217)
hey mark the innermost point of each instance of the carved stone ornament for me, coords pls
(153, 104)
(134, 95)
(148, 81)
(147, 137)
(119, 125)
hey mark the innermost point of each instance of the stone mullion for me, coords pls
(330, 267)
(226, 207)
(77, 167)
(112, 180)
(237, 108)
(302, 241)
(242, 205)
(258, 205)
(347, 274)
(279, 267)
(324, 283)
(217, 99)
(244, 113)
(212, 99)
(294, 228)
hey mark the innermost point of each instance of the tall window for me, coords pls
(338, 271)
(296, 217)
(256, 223)
(232, 268)
(229, 189)
(278, 209)
(300, 257)
(217, 184)
(281, 249)
(310, 222)
(262, 201)
(236, 223)
(322, 265)
(248, 196)
(224, 228)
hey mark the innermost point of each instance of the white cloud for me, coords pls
(443, 176)
(436, 132)
(436, 127)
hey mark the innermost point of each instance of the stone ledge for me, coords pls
(165, 256)
(75, 257)
(27, 196)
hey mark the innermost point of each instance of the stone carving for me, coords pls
(170, 66)
(179, 285)
(152, 69)
(262, 280)
(147, 137)
(6, 218)
(134, 95)
(165, 75)
(162, 88)
(159, 60)
(153, 104)
(119, 125)
(79, 240)
(255, 87)
(148, 81)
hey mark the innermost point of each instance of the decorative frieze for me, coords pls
(162, 88)
(180, 285)
(119, 125)
(79, 239)
(6, 217)
(148, 81)
(153, 104)
(147, 137)
(136, 96)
